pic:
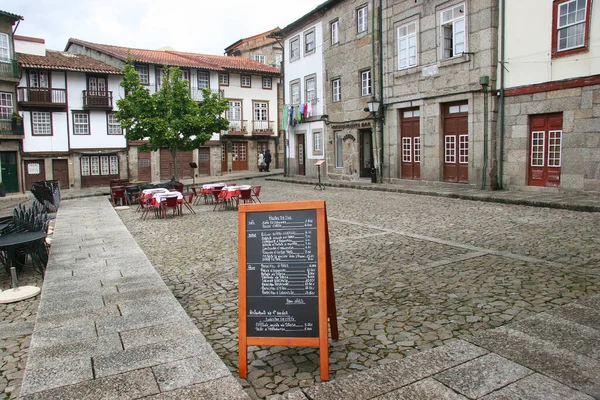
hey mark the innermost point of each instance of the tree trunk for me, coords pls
(175, 164)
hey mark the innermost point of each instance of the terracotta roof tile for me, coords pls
(58, 60)
(146, 56)
(233, 63)
(250, 39)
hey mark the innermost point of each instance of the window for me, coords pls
(311, 89)
(463, 143)
(406, 149)
(6, 106)
(267, 82)
(295, 91)
(278, 59)
(185, 75)
(295, 48)
(572, 20)
(246, 81)
(339, 149)
(453, 31)
(317, 142)
(81, 125)
(261, 115)
(417, 149)
(260, 58)
(458, 109)
(335, 31)
(114, 127)
(159, 77)
(203, 80)
(362, 18)
(38, 78)
(554, 148)
(365, 83)
(142, 71)
(309, 41)
(224, 79)
(99, 165)
(41, 123)
(4, 47)
(234, 112)
(407, 45)
(450, 149)
(336, 90)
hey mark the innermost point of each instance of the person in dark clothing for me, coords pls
(267, 159)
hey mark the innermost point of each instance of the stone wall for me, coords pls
(580, 108)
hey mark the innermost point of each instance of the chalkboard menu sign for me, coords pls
(285, 278)
(281, 274)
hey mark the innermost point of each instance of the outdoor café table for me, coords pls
(207, 189)
(148, 194)
(31, 242)
(158, 197)
(233, 192)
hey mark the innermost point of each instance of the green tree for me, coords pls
(170, 117)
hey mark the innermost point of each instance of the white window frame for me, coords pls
(336, 90)
(113, 165)
(317, 142)
(406, 149)
(537, 156)
(95, 165)
(6, 106)
(260, 58)
(85, 166)
(203, 80)
(365, 83)
(417, 149)
(362, 19)
(234, 113)
(260, 111)
(407, 45)
(185, 75)
(295, 48)
(267, 82)
(143, 73)
(310, 85)
(309, 41)
(5, 53)
(104, 168)
(334, 28)
(555, 148)
(41, 123)
(574, 27)
(339, 149)
(80, 127)
(463, 149)
(114, 127)
(450, 149)
(295, 93)
(224, 79)
(453, 31)
(278, 60)
(245, 81)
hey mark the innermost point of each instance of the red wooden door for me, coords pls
(144, 166)
(456, 143)
(410, 140)
(167, 168)
(300, 152)
(365, 153)
(204, 161)
(60, 172)
(545, 150)
(239, 156)
(35, 171)
(184, 158)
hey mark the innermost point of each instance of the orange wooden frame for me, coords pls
(326, 299)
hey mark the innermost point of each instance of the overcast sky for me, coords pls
(200, 26)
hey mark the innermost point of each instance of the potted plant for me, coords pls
(2, 189)
(17, 122)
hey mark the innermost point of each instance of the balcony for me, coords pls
(9, 68)
(238, 127)
(97, 100)
(47, 97)
(262, 127)
(11, 127)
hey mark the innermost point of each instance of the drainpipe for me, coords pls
(500, 179)
(380, 29)
(485, 81)
(375, 151)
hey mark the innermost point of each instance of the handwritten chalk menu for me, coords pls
(286, 295)
(281, 274)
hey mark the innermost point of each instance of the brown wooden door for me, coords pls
(239, 156)
(545, 150)
(204, 161)
(300, 154)
(225, 149)
(366, 153)
(456, 143)
(184, 158)
(410, 142)
(166, 164)
(60, 172)
(34, 171)
(144, 166)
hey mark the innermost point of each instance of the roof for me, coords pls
(12, 16)
(180, 58)
(58, 60)
(29, 39)
(233, 63)
(144, 56)
(306, 18)
(250, 39)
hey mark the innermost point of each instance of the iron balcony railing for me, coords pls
(9, 68)
(262, 127)
(42, 96)
(11, 127)
(238, 127)
(97, 99)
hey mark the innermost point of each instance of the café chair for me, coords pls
(220, 198)
(245, 196)
(118, 194)
(256, 192)
(170, 202)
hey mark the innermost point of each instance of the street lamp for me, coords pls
(373, 105)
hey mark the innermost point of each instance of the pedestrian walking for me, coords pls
(261, 162)
(267, 159)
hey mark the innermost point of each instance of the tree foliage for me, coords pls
(170, 117)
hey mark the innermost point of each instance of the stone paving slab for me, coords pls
(103, 319)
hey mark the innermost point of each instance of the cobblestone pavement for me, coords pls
(411, 272)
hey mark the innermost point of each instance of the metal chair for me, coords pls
(170, 202)
(256, 192)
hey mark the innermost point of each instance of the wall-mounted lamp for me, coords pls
(373, 105)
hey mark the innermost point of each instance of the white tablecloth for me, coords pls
(239, 187)
(213, 185)
(155, 190)
(161, 196)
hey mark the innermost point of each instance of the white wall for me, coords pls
(58, 142)
(529, 44)
(28, 47)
